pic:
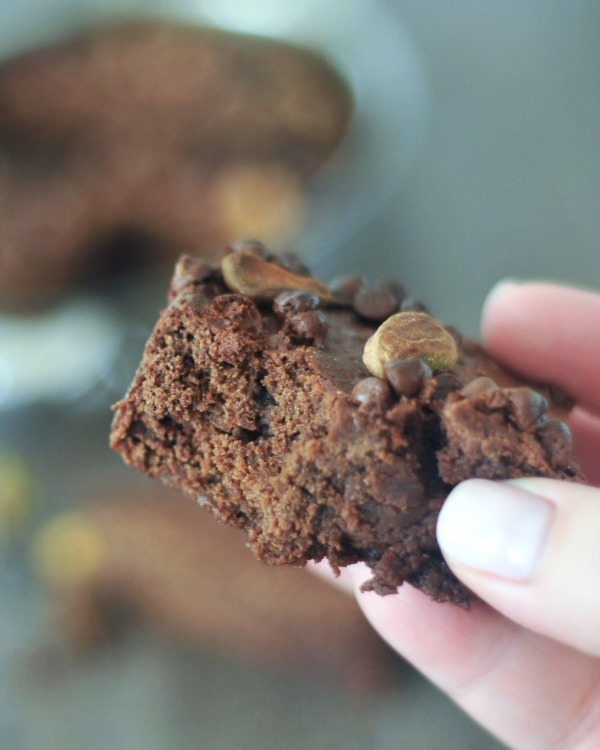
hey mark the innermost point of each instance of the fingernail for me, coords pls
(495, 527)
(500, 286)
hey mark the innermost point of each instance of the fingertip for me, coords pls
(501, 287)
(528, 547)
(494, 527)
(498, 302)
(439, 639)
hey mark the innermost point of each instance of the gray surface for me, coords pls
(507, 182)
(153, 697)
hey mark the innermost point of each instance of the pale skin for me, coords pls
(526, 664)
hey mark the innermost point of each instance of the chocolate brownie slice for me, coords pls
(253, 396)
(130, 143)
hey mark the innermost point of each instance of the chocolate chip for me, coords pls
(526, 406)
(292, 303)
(395, 288)
(344, 288)
(406, 376)
(445, 383)
(478, 386)
(188, 271)
(375, 303)
(555, 437)
(308, 327)
(411, 304)
(372, 394)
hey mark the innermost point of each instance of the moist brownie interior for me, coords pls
(265, 412)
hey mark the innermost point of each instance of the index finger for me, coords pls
(548, 333)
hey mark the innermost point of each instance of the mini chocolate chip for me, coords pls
(556, 439)
(372, 393)
(406, 376)
(344, 288)
(478, 386)
(395, 288)
(310, 327)
(445, 383)
(375, 303)
(292, 303)
(527, 406)
(411, 304)
(188, 271)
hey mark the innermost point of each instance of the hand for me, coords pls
(526, 665)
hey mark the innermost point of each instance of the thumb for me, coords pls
(531, 549)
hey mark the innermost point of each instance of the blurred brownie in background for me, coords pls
(132, 143)
(146, 556)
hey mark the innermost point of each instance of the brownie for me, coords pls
(253, 397)
(166, 566)
(135, 142)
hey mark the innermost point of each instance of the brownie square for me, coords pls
(252, 396)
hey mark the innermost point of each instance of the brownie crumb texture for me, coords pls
(253, 396)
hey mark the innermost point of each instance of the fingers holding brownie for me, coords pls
(529, 547)
(551, 332)
(547, 332)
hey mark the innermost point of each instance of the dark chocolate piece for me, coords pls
(344, 288)
(376, 303)
(293, 441)
(407, 376)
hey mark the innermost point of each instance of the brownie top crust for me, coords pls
(254, 396)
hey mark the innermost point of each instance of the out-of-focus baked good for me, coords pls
(138, 142)
(144, 555)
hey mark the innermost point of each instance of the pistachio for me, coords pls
(410, 334)
(246, 273)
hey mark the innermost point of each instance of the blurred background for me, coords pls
(448, 145)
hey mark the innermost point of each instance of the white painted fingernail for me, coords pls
(495, 527)
(500, 286)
